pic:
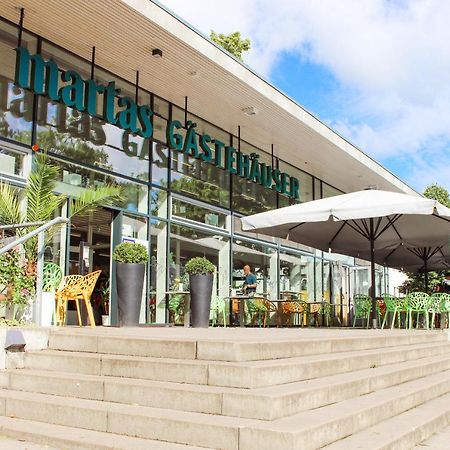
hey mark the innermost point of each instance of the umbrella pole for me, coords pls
(372, 275)
(425, 262)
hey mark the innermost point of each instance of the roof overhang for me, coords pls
(124, 33)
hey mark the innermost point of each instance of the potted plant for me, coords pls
(130, 259)
(200, 272)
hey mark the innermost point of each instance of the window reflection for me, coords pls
(263, 261)
(296, 276)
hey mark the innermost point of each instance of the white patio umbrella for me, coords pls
(366, 224)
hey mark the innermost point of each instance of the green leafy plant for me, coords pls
(19, 284)
(199, 266)
(42, 202)
(232, 43)
(129, 252)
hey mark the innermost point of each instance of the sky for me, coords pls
(376, 71)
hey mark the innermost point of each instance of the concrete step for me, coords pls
(69, 438)
(405, 431)
(248, 375)
(306, 430)
(323, 426)
(229, 345)
(266, 403)
(438, 441)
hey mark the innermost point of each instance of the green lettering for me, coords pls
(207, 152)
(276, 176)
(174, 140)
(218, 148)
(190, 143)
(295, 186)
(108, 103)
(44, 74)
(72, 94)
(266, 175)
(91, 89)
(243, 165)
(230, 159)
(127, 119)
(145, 119)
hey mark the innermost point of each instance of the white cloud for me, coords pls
(390, 58)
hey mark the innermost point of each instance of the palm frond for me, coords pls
(91, 199)
(9, 205)
(41, 201)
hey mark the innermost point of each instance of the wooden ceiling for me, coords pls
(218, 87)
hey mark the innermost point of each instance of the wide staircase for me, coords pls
(230, 389)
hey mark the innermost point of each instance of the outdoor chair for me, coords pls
(52, 277)
(325, 309)
(435, 307)
(76, 288)
(259, 309)
(394, 306)
(418, 302)
(298, 308)
(363, 308)
(218, 310)
(176, 308)
(445, 305)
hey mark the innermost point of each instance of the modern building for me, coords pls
(125, 92)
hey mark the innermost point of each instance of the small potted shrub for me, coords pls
(130, 259)
(201, 272)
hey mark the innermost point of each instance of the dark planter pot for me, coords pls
(130, 281)
(201, 291)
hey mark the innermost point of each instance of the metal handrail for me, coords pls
(21, 225)
(40, 232)
(33, 233)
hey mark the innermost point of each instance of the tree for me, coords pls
(232, 43)
(438, 193)
(416, 281)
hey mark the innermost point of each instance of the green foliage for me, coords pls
(416, 282)
(438, 193)
(232, 43)
(129, 252)
(199, 266)
(19, 284)
(42, 202)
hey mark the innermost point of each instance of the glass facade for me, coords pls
(173, 203)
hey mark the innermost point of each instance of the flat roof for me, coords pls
(218, 86)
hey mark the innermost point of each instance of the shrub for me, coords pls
(199, 266)
(129, 252)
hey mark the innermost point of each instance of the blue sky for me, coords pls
(377, 71)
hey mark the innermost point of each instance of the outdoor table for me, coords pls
(242, 299)
(187, 305)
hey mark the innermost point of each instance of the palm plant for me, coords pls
(42, 202)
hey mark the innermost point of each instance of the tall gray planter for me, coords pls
(201, 291)
(130, 282)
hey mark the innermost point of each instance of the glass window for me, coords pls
(326, 281)
(305, 185)
(263, 262)
(317, 189)
(192, 211)
(329, 191)
(88, 139)
(11, 162)
(160, 107)
(250, 197)
(160, 165)
(296, 275)
(158, 259)
(318, 280)
(158, 203)
(186, 243)
(16, 104)
(75, 179)
(199, 179)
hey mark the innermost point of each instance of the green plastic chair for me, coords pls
(418, 302)
(435, 306)
(325, 309)
(257, 308)
(395, 306)
(445, 305)
(363, 308)
(52, 277)
(218, 309)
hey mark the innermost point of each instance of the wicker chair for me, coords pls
(76, 288)
(298, 308)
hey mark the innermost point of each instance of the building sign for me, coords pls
(68, 87)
